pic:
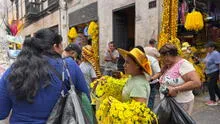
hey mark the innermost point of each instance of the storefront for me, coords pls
(80, 19)
(210, 10)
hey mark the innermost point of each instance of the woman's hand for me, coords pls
(172, 91)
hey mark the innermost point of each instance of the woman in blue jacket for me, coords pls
(30, 87)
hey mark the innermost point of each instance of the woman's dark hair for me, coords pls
(169, 49)
(49, 37)
(30, 70)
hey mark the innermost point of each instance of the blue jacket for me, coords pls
(45, 99)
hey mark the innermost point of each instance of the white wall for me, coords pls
(105, 8)
(146, 21)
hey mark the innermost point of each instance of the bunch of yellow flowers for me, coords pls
(93, 30)
(108, 86)
(112, 111)
(72, 33)
(194, 21)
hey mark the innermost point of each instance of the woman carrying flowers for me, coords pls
(137, 65)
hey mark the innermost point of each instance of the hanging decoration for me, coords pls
(72, 34)
(93, 32)
(13, 27)
(194, 21)
(169, 25)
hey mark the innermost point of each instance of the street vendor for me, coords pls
(179, 76)
(138, 66)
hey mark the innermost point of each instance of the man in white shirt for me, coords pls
(151, 50)
(111, 59)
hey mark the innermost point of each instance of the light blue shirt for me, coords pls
(212, 61)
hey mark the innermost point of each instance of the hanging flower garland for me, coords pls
(93, 32)
(112, 111)
(174, 18)
(194, 21)
(169, 24)
(164, 35)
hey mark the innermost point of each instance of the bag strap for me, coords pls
(68, 74)
(60, 76)
(56, 72)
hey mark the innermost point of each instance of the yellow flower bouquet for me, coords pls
(107, 86)
(112, 111)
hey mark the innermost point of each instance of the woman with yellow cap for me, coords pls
(137, 65)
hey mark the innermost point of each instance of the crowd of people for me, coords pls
(30, 88)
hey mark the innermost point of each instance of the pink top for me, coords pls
(173, 77)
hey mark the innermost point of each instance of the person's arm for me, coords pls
(192, 82)
(5, 102)
(156, 69)
(156, 52)
(106, 56)
(114, 56)
(156, 76)
(77, 77)
(93, 74)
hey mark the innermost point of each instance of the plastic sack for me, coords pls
(87, 107)
(68, 110)
(170, 112)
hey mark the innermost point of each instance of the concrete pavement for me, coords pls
(204, 114)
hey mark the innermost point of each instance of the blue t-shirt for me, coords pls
(45, 99)
(212, 61)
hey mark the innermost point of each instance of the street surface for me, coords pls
(204, 114)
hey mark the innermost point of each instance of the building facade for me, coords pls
(35, 15)
(126, 22)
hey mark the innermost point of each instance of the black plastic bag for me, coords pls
(70, 108)
(170, 112)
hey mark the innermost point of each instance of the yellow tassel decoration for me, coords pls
(72, 33)
(194, 21)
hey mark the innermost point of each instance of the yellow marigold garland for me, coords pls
(169, 25)
(165, 29)
(194, 21)
(174, 18)
(112, 111)
(93, 32)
